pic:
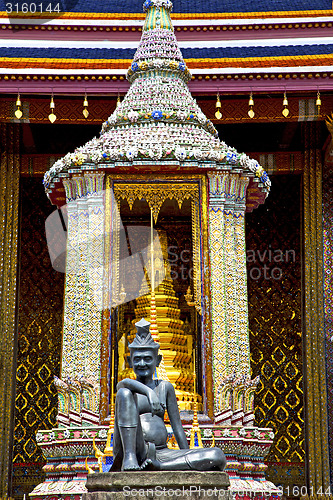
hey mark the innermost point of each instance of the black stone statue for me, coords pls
(140, 435)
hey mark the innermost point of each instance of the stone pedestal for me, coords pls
(66, 449)
(159, 485)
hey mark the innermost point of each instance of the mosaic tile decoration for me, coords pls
(233, 387)
(84, 293)
(242, 300)
(216, 220)
(273, 250)
(328, 286)
(69, 297)
(39, 342)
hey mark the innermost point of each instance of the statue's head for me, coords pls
(144, 357)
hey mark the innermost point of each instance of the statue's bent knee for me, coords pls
(218, 458)
(126, 409)
(207, 459)
(124, 394)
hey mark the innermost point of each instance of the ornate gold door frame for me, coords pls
(155, 190)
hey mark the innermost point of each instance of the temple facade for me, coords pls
(202, 204)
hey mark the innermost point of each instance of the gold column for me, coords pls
(314, 334)
(207, 361)
(197, 281)
(9, 200)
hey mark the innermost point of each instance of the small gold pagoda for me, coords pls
(176, 344)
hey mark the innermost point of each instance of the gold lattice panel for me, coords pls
(39, 338)
(274, 287)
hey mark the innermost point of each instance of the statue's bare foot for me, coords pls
(150, 464)
(130, 462)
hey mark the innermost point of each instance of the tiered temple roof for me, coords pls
(217, 39)
(158, 122)
(195, 6)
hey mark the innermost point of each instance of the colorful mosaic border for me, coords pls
(192, 63)
(78, 388)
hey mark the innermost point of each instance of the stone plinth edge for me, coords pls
(161, 485)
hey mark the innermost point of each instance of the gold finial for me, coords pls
(318, 102)
(195, 430)
(88, 469)
(218, 114)
(52, 116)
(285, 111)
(18, 112)
(108, 451)
(251, 112)
(99, 455)
(85, 111)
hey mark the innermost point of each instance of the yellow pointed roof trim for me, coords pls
(175, 16)
(238, 62)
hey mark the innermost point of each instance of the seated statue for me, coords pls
(140, 435)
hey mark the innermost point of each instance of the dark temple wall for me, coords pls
(39, 338)
(275, 299)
